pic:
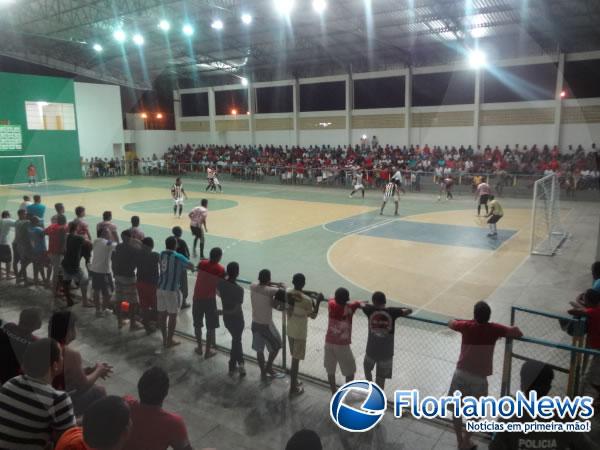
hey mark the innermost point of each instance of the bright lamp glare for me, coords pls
(319, 6)
(477, 59)
(284, 7)
(97, 47)
(119, 36)
(138, 39)
(164, 25)
(246, 19)
(364, 136)
(188, 30)
(217, 24)
(244, 81)
(234, 112)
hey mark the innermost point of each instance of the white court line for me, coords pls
(360, 229)
(470, 271)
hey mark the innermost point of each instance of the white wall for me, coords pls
(450, 136)
(275, 137)
(385, 136)
(500, 135)
(99, 119)
(580, 134)
(323, 137)
(149, 142)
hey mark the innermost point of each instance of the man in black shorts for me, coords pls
(198, 217)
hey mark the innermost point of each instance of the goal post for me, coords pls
(547, 233)
(13, 169)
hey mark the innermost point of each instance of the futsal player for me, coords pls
(496, 213)
(213, 181)
(358, 184)
(178, 194)
(31, 173)
(446, 184)
(392, 191)
(483, 193)
(198, 217)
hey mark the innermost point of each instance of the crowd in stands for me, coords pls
(577, 167)
(46, 385)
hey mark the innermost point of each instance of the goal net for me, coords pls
(14, 170)
(547, 233)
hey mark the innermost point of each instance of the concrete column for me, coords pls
(477, 108)
(296, 93)
(177, 109)
(349, 107)
(408, 106)
(558, 99)
(252, 111)
(212, 114)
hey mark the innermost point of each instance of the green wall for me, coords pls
(61, 148)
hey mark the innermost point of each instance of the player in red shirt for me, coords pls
(205, 300)
(338, 337)
(589, 307)
(31, 173)
(153, 428)
(474, 365)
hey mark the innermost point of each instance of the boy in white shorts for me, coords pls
(391, 191)
(178, 194)
(358, 184)
(338, 338)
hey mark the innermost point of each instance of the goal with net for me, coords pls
(547, 233)
(14, 169)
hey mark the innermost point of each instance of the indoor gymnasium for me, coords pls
(299, 224)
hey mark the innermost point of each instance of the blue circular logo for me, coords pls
(360, 418)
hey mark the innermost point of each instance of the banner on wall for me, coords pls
(11, 137)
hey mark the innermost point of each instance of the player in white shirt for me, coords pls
(483, 195)
(391, 191)
(198, 216)
(178, 194)
(399, 180)
(358, 184)
(213, 181)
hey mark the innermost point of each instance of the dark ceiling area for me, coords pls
(350, 35)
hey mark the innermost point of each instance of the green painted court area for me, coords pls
(356, 247)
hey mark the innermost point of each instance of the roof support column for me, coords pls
(212, 115)
(408, 106)
(296, 98)
(558, 99)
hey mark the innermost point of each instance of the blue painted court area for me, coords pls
(431, 233)
(388, 227)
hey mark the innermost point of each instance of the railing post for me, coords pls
(284, 337)
(507, 368)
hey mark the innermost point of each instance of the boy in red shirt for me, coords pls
(205, 300)
(590, 309)
(338, 338)
(57, 238)
(475, 362)
(152, 427)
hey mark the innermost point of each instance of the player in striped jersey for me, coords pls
(391, 190)
(168, 295)
(32, 412)
(178, 194)
(213, 181)
(358, 184)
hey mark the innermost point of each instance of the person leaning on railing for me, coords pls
(475, 362)
(588, 306)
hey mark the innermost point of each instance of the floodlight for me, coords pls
(97, 47)
(246, 19)
(159, 116)
(164, 25)
(364, 136)
(319, 6)
(477, 59)
(217, 24)
(188, 30)
(144, 115)
(138, 39)
(234, 112)
(284, 7)
(119, 36)
(244, 81)
(563, 94)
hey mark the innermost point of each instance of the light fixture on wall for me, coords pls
(159, 115)
(477, 59)
(144, 115)
(246, 19)
(234, 112)
(164, 25)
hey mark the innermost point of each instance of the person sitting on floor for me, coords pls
(79, 381)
